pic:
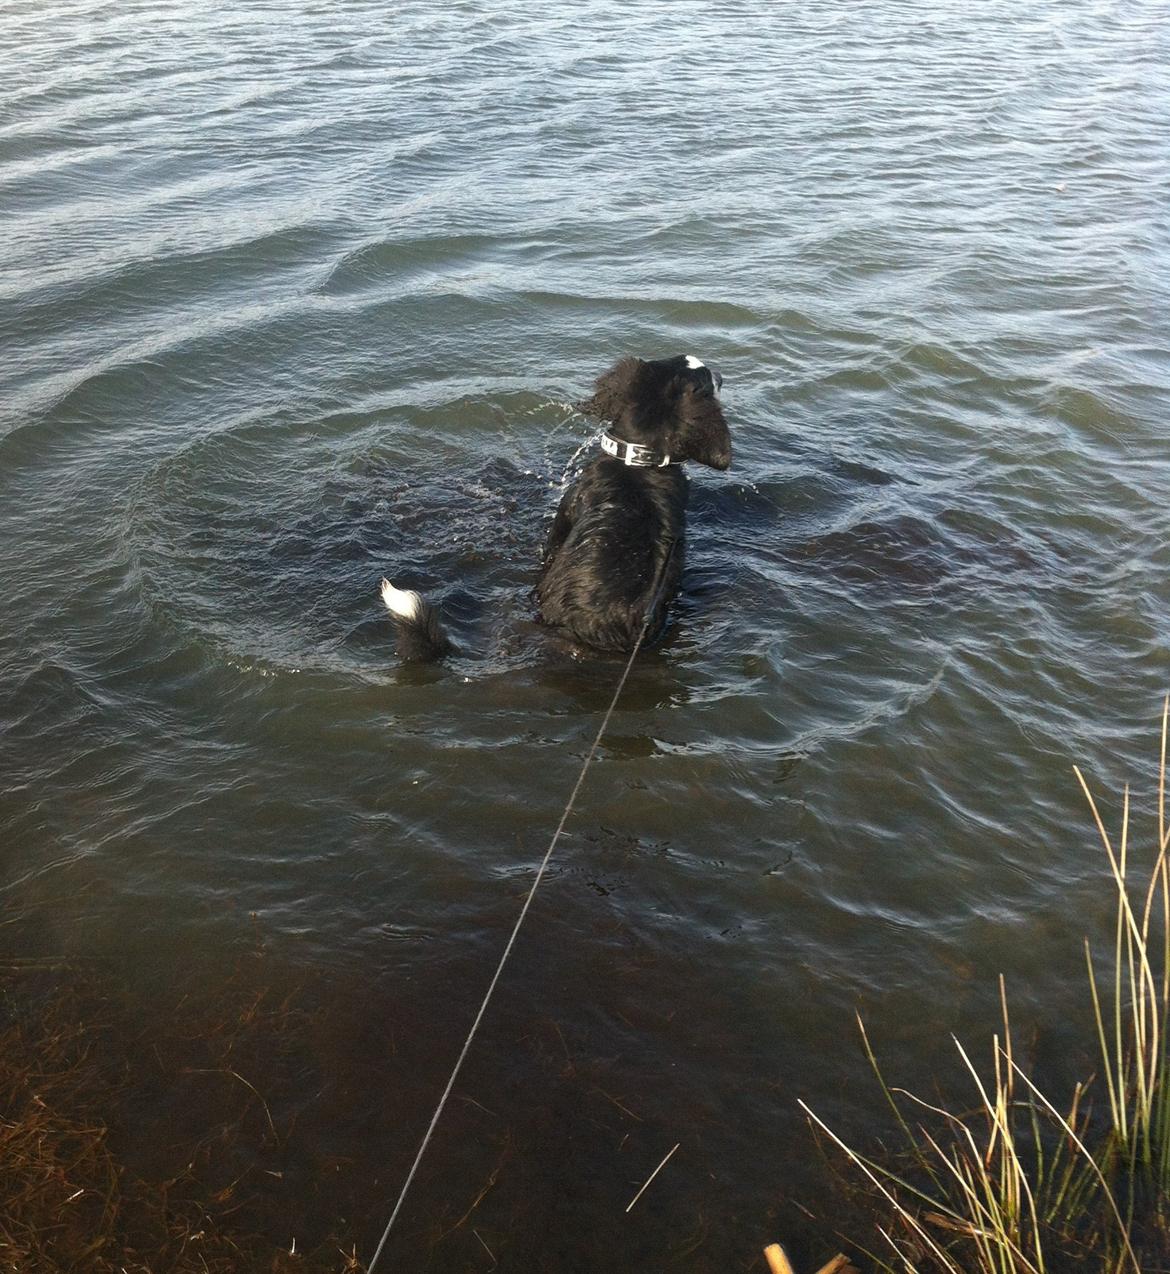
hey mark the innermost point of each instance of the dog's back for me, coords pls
(621, 555)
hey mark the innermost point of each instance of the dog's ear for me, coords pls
(616, 391)
(696, 428)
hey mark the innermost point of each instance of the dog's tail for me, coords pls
(420, 635)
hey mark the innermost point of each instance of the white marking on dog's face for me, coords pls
(694, 363)
(402, 602)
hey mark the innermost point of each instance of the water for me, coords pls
(293, 297)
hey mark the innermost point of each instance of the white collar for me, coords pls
(633, 453)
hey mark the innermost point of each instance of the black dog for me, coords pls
(614, 556)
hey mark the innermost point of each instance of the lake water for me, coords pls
(292, 297)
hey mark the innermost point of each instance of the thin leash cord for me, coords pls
(523, 912)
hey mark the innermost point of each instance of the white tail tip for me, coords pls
(403, 602)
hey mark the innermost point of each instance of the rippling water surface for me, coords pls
(295, 296)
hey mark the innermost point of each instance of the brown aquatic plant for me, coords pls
(1022, 1185)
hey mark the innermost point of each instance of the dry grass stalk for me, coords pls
(778, 1262)
(777, 1258)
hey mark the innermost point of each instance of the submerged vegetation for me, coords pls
(74, 1069)
(1023, 1184)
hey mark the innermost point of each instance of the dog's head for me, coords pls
(668, 404)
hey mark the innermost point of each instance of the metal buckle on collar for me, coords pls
(632, 453)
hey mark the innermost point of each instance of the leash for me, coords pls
(659, 582)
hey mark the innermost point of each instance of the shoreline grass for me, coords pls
(1020, 1184)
